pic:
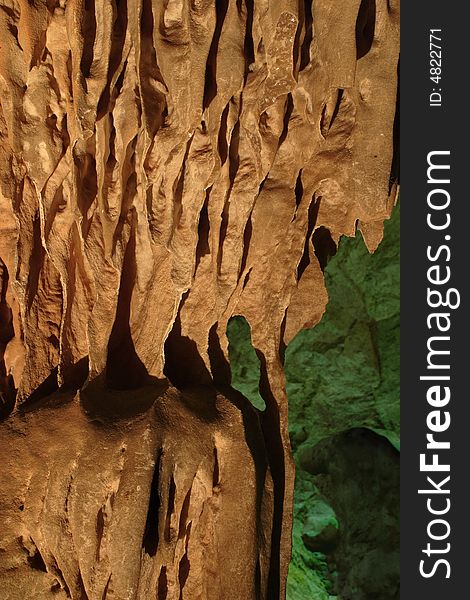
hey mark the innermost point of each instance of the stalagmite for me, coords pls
(164, 166)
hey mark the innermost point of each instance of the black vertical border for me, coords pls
(424, 129)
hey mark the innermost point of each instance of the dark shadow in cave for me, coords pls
(358, 472)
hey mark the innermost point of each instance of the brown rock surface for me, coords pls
(165, 165)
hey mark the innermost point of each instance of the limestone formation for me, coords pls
(166, 165)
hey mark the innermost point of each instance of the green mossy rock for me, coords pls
(344, 373)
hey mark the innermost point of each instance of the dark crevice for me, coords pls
(38, 50)
(183, 573)
(115, 57)
(51, 5)
(184, 514)
(75, 375)
(106, 588)
(7, 333)
(246, 244)
(312, 218)
(327, 121)
(258, 592)
(154, 102)
(210, 82)
(203, 248)
(249, 49)
(111, 161)
(67, 497)
(64, 134)
(10, 12)
(282, 345)
(54, 84)
(162, 590)
(262, 184)
(324, 246)
(170, 508)
(149, 206)
(339, 99)
(88, 31)
(222, 138)
(264, 122)
(299, 190)
(51, 122)
(234, 163)
(99, 531)
(216, 471)
(247, 278)
(305, 49)
(220, 368)
(287, 115)
(324, 125)
(233, 154)
(36, 263)
(36, 561)
(54, 341)
(70, 76)
(150, 538)
(81, 585)
(58, 205)
(365, 27)
(14, 31)
(120, 80)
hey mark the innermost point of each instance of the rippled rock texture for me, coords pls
(164, 166)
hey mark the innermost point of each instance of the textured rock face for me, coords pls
(163, 167)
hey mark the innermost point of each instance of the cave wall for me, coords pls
(165, 166)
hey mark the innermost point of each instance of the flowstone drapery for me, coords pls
(166, 165)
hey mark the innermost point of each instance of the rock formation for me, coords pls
(343, 388)
(164, 166)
